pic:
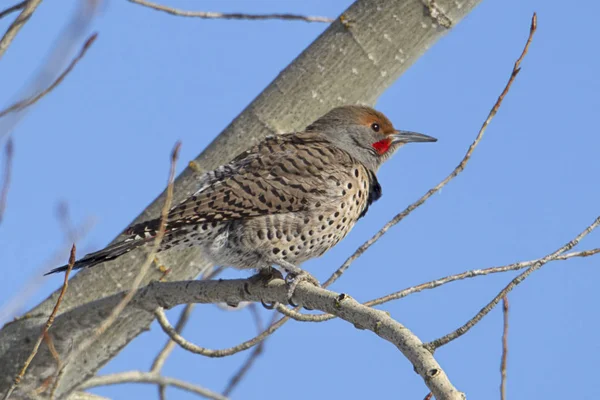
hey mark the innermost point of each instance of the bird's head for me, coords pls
(365, 133)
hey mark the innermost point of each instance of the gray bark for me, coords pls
(351, 62)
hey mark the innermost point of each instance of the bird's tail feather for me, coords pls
(106, 254)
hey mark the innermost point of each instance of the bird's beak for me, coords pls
(408, 137)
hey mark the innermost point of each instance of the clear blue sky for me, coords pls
(101, 142)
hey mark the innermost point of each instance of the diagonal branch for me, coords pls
(29, 8)
(150, 377)
(12, 9)
(485, 310)
(19, 105)
(47, 326)
(218, 15)
(461, 166)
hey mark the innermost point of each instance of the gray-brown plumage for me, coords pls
(286, 200)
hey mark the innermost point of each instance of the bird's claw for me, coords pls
(293, 279)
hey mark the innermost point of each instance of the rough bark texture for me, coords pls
(353, 61)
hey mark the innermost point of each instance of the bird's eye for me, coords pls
(375, 126)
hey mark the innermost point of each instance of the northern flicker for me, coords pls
(288, 199)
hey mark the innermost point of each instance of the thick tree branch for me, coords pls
(170, 294)
(348, 63)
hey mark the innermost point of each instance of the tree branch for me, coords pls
(29, 8)
(461, 166)
(19, 105)
(150, 377)
(504, 348)
(170, 294)
(485, 310)
(218, 15)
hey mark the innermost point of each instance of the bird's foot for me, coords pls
(264, 276)
(292, 280)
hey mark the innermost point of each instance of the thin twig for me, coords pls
(21, 104)
(436, 283)
(485, 310)
(254, 354)
(107, 323)
(453, 174)
(160, 359)
(12, 9)
(28, 7)
(162, 356)
(8, 154)
(150, 257)
(218, 15)
(149, 377)
(163, 321)
(504, 349)
(47, 326)
(15, 304)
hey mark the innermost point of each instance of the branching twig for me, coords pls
(12, 9)
(163, 321)
(483, 312)
(436, 283)
(28, 7)
(46, 327)
(218, 15)
(19, 105)
(160, 359)
(256, 352)
(12, 307)
(452, 175)
(116, 311)
(149, 377)
(504, 349)
(8, 153)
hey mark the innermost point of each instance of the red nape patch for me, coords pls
(382, 146)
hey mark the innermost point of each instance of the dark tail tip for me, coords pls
(59, 269)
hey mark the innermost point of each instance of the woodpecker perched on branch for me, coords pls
(288, 199)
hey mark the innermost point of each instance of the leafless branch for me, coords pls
(163, 321)
(218, 15)
(436, 283)
(504, 349)
(170, 294)
(452, 175)
(150, 257)
(29, 8)
(162, 356)
(8, 154)
(116, 311)
(47, 326)
(256, 352)
(20, 105)
(12, 9)
(74, 235)
(483, 312)
(160, 359)
(149, 377)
